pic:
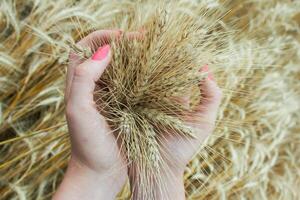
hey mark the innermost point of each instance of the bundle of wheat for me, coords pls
(251, 46)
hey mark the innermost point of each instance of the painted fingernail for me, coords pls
(101, 53)
(209, 75)
(205, 68)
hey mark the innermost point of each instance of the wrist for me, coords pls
(173, 184)
(168, 184)
(81, 182)
(108, 178)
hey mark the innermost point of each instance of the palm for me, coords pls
(97, 147)
(177, 150)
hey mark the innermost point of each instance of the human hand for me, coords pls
(92, 172)
(96, 169)
(177, 150)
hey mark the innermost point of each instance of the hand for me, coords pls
(177, 150)
(96, 169)
(93, 173)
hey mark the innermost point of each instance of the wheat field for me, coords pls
(252, 47)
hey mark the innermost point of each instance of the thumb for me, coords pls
(211, 98)
(85, 75)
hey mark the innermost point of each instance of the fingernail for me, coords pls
(209, 75)
(101, 53)
(204, 68)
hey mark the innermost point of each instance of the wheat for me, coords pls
(168, 121)
(251, 46)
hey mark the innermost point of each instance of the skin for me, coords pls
(96, 169)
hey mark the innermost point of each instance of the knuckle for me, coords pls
(70, 111)
(72, 56)
(83, 108)
(80, 70)
(76, 110)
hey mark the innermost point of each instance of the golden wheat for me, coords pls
(253, 153)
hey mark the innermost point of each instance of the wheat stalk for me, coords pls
(255, 143)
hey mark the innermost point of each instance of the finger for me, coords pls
(85, 75)
(93, 40)
(98, 38)
(138, 35)
(211, 96)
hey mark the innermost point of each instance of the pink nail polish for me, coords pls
(101, 53)
(205, 68)
(209, 75)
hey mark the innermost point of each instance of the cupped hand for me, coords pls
(96, 169)
(177, 150)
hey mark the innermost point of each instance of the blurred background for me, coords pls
(254, 152)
